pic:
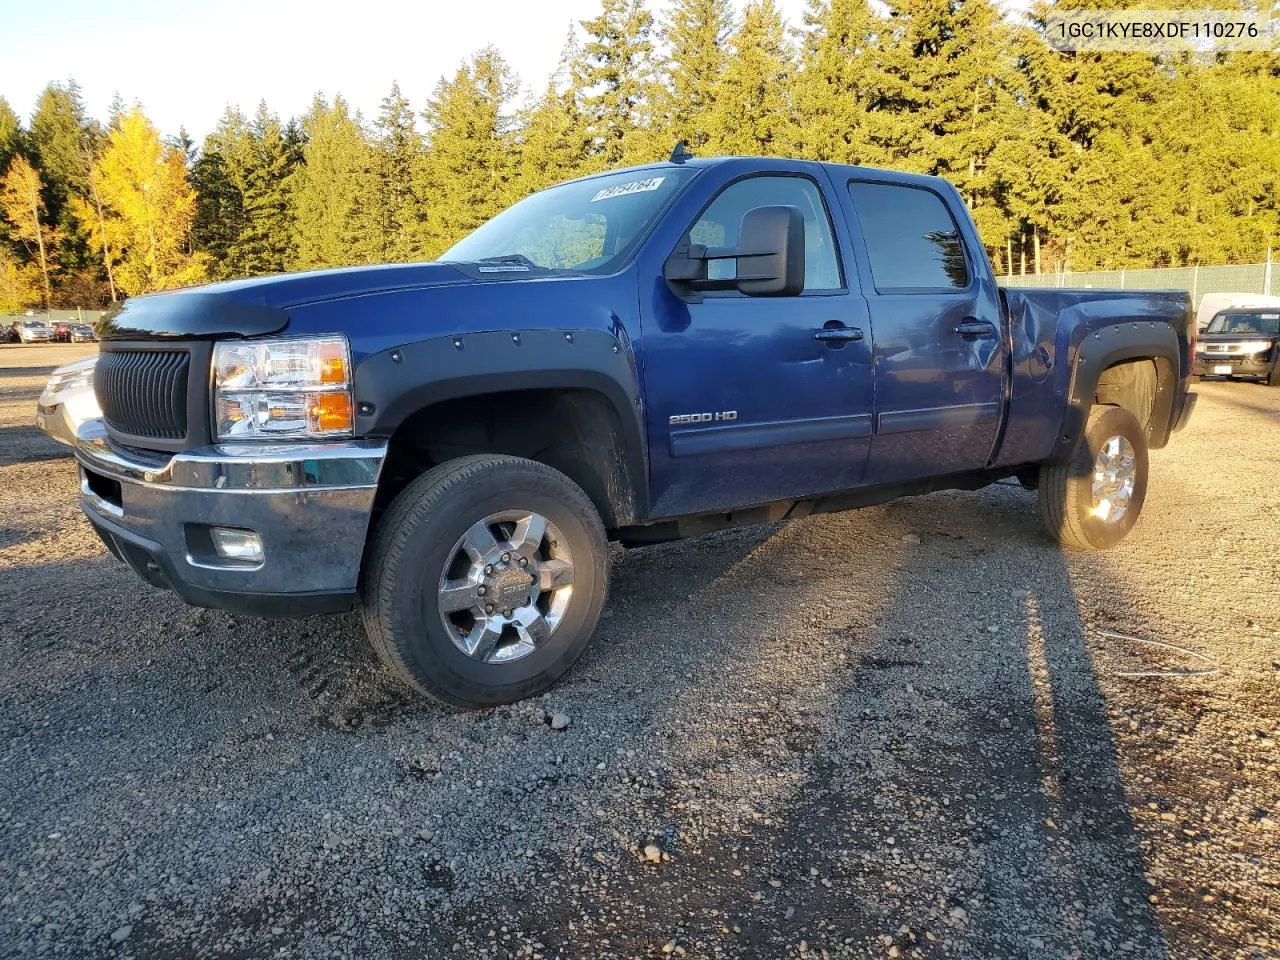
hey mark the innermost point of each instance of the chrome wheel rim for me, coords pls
(506, 586)
(1115, 471)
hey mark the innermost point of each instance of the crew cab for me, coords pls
(639, 355)
(1241, 342)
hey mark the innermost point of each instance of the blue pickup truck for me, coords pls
(640, 355)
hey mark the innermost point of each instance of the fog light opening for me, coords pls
(233, 544)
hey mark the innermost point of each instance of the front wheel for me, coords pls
(1274, 379)
(486, 578)
(1093, 500)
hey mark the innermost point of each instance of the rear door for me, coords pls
(756, 399)
(938, 350)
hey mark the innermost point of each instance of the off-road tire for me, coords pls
(1066, 497)
(1274, 379)
(413, 542)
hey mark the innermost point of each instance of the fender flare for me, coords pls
(395, 383)
(1127, 340)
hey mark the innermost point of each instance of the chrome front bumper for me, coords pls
(309, 503)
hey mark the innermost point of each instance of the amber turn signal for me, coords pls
(331, 412)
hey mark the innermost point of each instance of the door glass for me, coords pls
(719, 225)
(913, 244)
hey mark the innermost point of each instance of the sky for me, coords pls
(186, 61)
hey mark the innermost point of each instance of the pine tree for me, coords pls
(10, 134)
(694, 37)
(331, 190)
(60, 146)
(553, 143)
(59, 128)
(839, 89)
(467, 172)
(400, 213)
(144, 189)
(552, 139)
(220, 176)
(752, 114)
(611, 78)
(265, 245)
(1097, 110)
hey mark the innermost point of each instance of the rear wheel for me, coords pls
(1092, 501)
(1274, 379)
(486, 578)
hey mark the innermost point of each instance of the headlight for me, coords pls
(73, 375)
(1255, 346)
(281, 389)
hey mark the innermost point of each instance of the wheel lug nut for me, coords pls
(506, 557)
(524, 562)
(488, 608)
(488, 568)
(481, 591)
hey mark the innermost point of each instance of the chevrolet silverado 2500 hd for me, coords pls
(640, 355)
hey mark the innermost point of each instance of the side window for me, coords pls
(913, 244)
(719, 225)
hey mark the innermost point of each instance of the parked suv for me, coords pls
(1241, 342)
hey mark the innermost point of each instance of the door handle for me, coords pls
(837, 334)
(972, 329)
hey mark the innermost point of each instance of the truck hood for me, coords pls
(260, 305)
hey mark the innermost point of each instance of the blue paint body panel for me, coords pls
(734, 401)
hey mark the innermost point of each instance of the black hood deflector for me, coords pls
(189, 315)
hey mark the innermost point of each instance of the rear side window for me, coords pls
(720, 223)
(913, 243)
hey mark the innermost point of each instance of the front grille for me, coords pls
(143, 393)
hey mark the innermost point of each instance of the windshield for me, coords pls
(1253, 324)
(583, 226)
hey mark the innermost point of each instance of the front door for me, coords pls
(757, 399)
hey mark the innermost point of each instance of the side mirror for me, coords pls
(770, 252)
(769, 256)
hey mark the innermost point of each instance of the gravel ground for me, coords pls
(894, 732)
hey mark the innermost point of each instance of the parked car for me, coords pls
(639, 355)
(82, 333)
(62, 332)
(1241, 342)
(30, 331)
(68, 401)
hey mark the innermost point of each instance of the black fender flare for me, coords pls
(1127, 340)
(395, 383)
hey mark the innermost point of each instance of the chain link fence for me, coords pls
(1234, 278)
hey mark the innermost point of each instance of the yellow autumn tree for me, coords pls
(23, 207)
(148, 208)
(18, 287)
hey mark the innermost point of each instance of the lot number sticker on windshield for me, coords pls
(624, 189)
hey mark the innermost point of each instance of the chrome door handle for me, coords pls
(834, 334)
(972, 329)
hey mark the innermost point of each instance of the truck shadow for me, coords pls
(955, 777)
